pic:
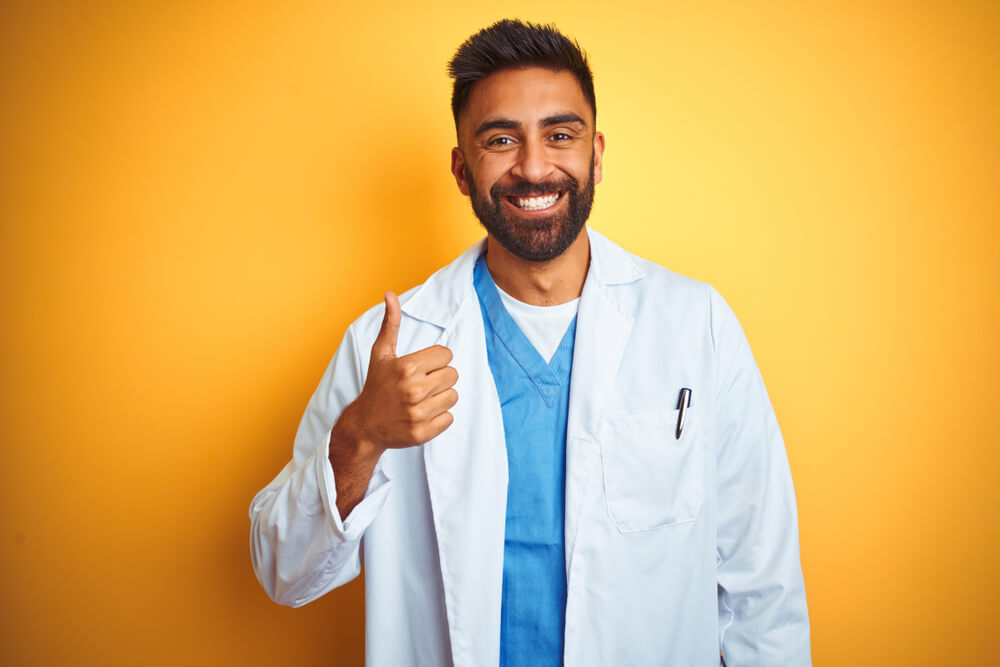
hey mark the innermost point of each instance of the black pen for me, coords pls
(683, 403)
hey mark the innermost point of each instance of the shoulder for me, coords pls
(662, 281)
(645, 282)
(655, 293)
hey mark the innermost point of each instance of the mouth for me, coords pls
(537, 203)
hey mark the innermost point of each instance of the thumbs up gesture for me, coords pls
(405, 400)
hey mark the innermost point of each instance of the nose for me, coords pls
(533, 164)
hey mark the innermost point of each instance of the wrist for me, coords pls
(349, 446)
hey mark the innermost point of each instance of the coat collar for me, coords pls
(440, 298)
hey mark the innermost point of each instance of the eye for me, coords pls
(500, 142)
(561, 136)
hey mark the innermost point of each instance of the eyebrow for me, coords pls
(497, 124)
(508, 124)
(562, 119)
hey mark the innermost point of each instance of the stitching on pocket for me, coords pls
(651, 479)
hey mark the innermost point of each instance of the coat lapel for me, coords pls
(467, 477)
(601, 334)
(467, 470)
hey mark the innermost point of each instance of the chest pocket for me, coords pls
(651, 478)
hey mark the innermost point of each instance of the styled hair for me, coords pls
(513, 44)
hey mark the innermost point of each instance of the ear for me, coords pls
(458, 170)
(598, 157)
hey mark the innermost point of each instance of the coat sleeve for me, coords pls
(299, 546)
(763, 619)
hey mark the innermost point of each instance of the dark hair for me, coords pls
(511, 44)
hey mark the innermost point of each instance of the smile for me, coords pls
(539, 203)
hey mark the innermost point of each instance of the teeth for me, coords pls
(537, 203)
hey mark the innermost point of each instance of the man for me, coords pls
(552, 451)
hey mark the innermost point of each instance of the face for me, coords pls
(528, 158)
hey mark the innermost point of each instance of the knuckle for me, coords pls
(414, 414)
(409, 393)
(414, 394)
(417, 434)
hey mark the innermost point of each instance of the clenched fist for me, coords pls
(404, 402)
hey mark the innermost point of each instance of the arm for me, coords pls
(353, 459)
(307, 524)
(763, 619)
(300, 545)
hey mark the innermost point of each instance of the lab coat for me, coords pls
(676, 548)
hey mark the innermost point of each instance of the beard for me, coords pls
(534, 239)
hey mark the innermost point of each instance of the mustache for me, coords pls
(526, 189)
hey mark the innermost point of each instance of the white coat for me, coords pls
(676, 549)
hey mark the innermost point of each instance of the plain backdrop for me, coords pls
(196, 198)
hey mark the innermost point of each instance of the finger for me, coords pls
(441, 379)
(438, 425)
(430, 358)
(434, 405)
(384, 346)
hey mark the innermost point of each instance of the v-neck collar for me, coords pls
(547, 376)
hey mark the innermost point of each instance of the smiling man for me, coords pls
(553, 451)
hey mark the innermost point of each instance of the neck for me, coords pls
(541, 283)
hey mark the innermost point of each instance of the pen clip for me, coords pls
(683, 403)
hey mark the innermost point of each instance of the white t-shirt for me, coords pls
(544, 326)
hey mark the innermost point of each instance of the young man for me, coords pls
(611, 487)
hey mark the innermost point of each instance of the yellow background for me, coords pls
(197, 198)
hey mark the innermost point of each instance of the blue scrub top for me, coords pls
(534, 400)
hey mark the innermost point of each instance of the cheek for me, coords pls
(577, 165)
(488, 172)
(492, 166)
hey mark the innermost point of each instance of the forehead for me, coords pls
(524, 95)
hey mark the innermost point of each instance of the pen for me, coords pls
(683, 403)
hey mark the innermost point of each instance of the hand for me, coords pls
(405, 400)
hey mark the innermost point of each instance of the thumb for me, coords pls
(384, 346)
